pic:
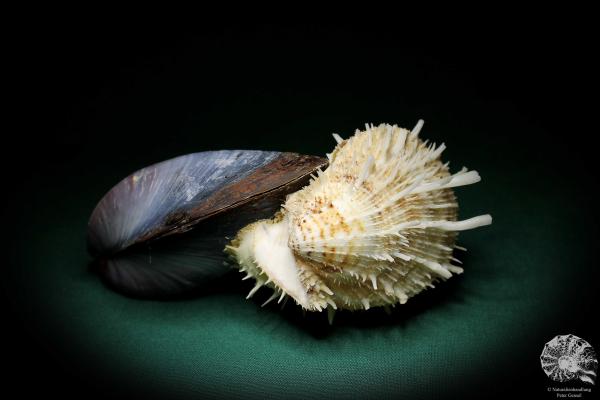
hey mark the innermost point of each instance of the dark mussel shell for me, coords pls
(161, 231)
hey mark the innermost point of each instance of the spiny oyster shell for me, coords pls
(374, 229)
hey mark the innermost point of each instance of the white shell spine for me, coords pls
(374, 229)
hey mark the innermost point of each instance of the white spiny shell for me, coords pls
(374, 229)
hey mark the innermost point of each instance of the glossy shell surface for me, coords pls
(162, 229)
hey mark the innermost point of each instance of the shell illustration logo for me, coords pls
(568, 357)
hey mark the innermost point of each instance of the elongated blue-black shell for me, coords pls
(162, 230)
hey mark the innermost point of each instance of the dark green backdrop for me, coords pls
(111, 103)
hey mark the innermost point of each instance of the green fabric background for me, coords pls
(528, 277)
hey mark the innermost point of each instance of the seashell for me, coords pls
(161, 231)
(568, 357)
(374, 229)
